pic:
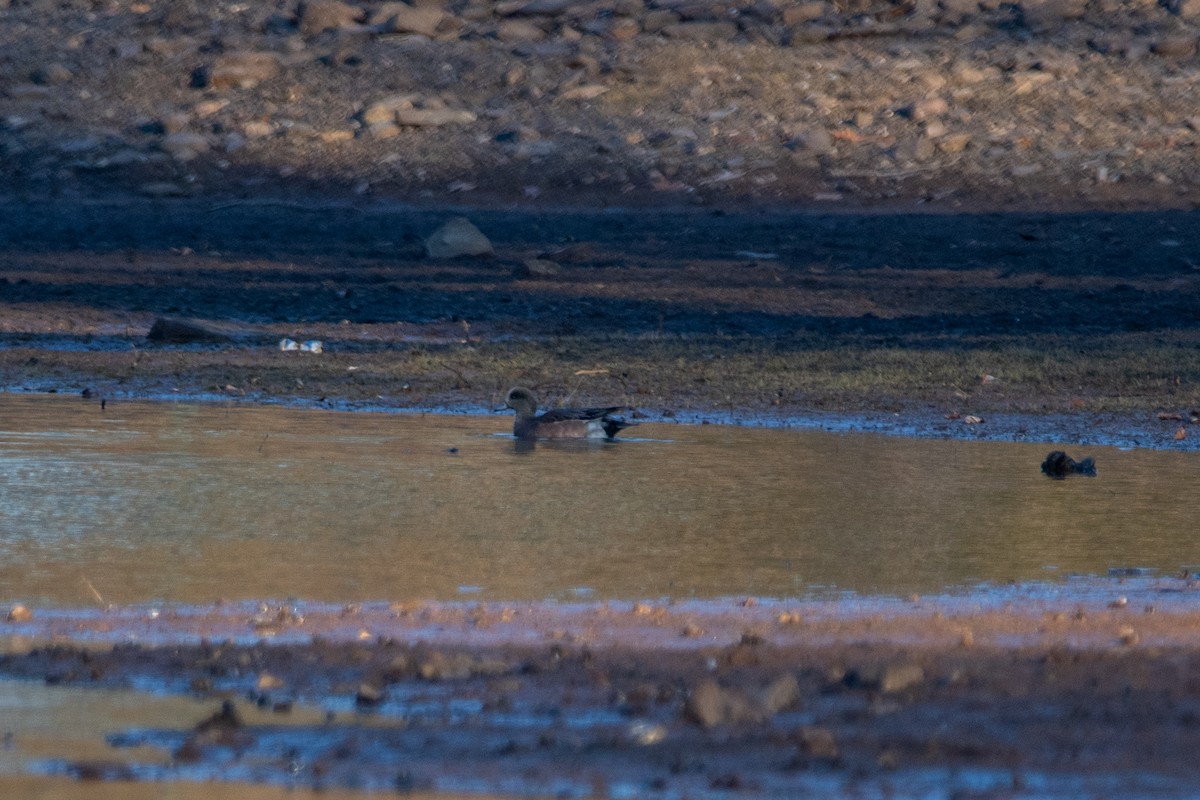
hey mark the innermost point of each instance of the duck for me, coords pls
(560, 423)
(1059, 465)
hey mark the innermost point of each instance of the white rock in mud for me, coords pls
(458, 237)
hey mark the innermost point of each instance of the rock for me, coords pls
(588, 91)
(815, 141)
(167, 330)
(928, 108)
(519, 30)
(317, 16)
(51, 75)
(1174, 46)
(658, 20)
(185, 146)
(536, 268)
(242, 69)
(898, 677)
(807, 11)
(1185, 9)
(19, 613)
(779, 694)
(457, 238)
(368, 694)
(433, 117)
(709, 705)
(817, 743)
(411, 110)
(701, 31)
(403, 18)
(549, 8)
(383, 111)
(954, 143)
(887, 679)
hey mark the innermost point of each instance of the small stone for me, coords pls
(179, 331)
(708, 705)
(701, 31)
(588, 91)
(817, 743)
(317, 16)
(384, 110)
(19, 613)
(433, 117)
(185, 146)
(806, 11)
(266, 682)
(257, 129)
(519, 30)
(812, 142)
(536, 268)
(928, 108)
(954, 143)
(456, 238)
(52, 74)
(898, 677)
(780, 693)
(241, 69)
(890, 678)
(368, 694)
(1174, 46)
(403, 18)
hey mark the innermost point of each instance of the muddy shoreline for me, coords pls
(761, 698)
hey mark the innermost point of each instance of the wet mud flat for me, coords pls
(1055, 691)
(1077, 327)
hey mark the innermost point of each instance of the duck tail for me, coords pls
(614, 426)
(1086, 466)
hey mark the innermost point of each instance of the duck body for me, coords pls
(561, 423)
(1059, 465)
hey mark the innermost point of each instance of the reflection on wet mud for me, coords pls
(193, 503)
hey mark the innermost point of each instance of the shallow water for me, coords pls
(177, 502)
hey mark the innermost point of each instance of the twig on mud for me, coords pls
(92, 589)
(463, 378)
(281, 204)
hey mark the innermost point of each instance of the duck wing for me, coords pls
(566, 414)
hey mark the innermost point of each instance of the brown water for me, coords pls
(177, 502)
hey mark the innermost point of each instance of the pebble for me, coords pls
(185, 146)
(318, 16)
(537, 268)
(240, 70)
(433, 117)
(709, 705)
(457, 238)
(403, 18)
(167, 330)
(19, 613)
(52, 75)
(817, 743)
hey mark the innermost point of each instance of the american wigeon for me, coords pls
(1059, 465)
(560, 423)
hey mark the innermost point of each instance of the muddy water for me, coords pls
(193, 503)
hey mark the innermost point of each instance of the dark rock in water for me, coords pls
(1059, 465)
(179, 331)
